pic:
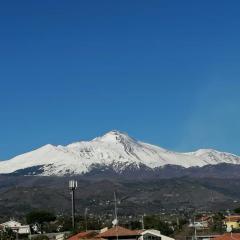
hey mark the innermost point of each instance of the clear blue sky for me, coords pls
(167, 72)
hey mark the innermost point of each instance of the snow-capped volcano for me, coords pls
(114, 149)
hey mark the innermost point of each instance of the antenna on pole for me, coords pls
(73, 187)
(115, 221)
(143, 227)
(85, 218)
(115, 208)
(195, 229)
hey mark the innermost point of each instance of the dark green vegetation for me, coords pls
(217, 225)
(20, 195)
(8, 234)
(154, 222)
(39, 218)
(237, 210)
(41, 238)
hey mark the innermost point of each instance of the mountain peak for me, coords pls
(115, 136)
(116, 133)
(114, 149)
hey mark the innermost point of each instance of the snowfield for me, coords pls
(114, 149)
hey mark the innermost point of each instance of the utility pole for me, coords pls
(85, 216)
(115, 208)
(178, 224)
(143, 227)
(73, 187)
(115, 221)
(195, 230)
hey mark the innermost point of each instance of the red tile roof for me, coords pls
(233, 218)
(138, 232)
(118, 231)
(228, 236)
(84, 235)
(206, 218)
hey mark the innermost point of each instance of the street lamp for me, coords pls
(73, 187)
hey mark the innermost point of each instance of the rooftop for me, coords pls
(119, 231)
(232, 218)
(228, 236)
(84, 235)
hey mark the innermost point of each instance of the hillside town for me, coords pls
(205, 227)
(45, 225)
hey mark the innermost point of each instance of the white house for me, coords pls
(16, 227)
(152, 234)
(199, 225)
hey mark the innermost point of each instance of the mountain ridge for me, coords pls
(115, 149)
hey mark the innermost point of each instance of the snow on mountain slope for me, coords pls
(114, 149)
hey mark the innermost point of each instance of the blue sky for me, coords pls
(166, 72)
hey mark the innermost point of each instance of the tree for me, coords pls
(7, 234)
(237, 210)
(217, 225)
(42, 237)
(154, 222)
(39, 218)
(134, 225)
